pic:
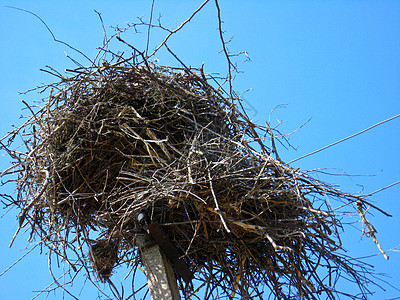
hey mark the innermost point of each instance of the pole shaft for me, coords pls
(159, 272)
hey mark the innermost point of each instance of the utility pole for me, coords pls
(159, 272)
(161, 259)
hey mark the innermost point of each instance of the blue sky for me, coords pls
(336, 62)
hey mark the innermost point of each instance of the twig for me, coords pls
(149, 29)
(52, 34)
(216, 209)
(26, 208)
(19, 259)
(371, 230)
(178, 28)
(225, 49)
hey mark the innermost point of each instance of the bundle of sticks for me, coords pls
(118, 140)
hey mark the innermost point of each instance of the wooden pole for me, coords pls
(159, 272)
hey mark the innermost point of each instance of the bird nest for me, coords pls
(119, 140)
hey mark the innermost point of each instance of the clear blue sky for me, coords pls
(337, 62)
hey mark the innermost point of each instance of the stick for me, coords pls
(371, 230)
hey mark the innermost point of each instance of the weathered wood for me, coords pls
(159, 272)
(168, 248)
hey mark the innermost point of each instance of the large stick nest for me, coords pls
(118, 140)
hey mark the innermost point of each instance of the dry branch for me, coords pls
(124, 139)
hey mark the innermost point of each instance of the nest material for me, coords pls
(118, 140)
(104, 255)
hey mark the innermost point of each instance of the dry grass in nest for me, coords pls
(117, 140)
